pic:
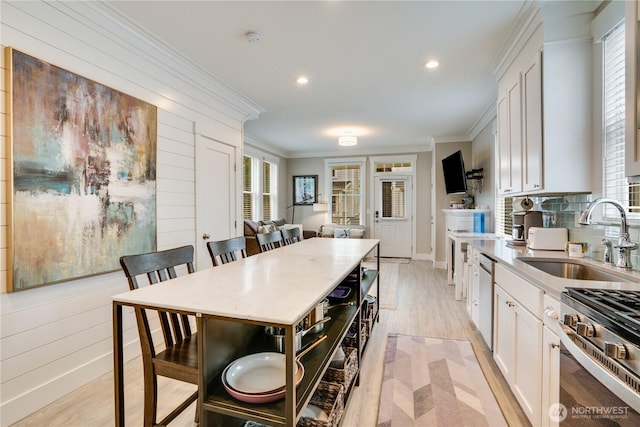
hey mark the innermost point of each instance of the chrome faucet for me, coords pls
(624, 246)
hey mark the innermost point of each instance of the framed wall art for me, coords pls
(81, 174)
(305, 189)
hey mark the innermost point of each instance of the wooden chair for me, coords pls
(179, 359)
(224, 251)
(269, 241)
(291, 235)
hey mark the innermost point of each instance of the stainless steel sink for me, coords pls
(572, 270)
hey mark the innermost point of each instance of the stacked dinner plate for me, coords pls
(259, 377)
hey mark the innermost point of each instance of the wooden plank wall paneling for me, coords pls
(56, 338)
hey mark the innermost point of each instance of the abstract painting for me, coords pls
(82, 174)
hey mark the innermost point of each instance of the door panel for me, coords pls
(393, 222)
(215, 195)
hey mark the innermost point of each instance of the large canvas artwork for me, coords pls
(82, 174)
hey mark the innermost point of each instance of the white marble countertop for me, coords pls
(276, 287)
(508, 255)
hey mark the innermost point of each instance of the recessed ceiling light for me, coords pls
(432, 64)
(302, 80)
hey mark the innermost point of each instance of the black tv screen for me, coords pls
(455, 180)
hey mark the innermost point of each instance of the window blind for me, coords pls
(614, 183)
(247, 188)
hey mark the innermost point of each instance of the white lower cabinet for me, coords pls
(517, 340)
(550, 377)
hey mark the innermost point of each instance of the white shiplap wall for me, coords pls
(55, 338)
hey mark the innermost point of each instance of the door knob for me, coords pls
(206, 236)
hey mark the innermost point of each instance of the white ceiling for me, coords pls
(364, 60)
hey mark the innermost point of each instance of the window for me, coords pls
(346, 189)
(268, 189)
(393, 200)
(248, 175)
(259, 187)
(614, 183)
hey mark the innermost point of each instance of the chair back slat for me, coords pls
(225, 251)
(291, 235)
(269, 241)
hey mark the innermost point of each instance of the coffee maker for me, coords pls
(522, 222)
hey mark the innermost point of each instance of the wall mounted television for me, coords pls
(455, 179)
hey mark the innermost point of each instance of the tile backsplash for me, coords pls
(564, 211)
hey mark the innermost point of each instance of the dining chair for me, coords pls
(179, 358)
(269, 241)
(291, 235)
(224, 251)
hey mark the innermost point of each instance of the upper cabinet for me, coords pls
(548, 133)
(509, 140)
(632, 118)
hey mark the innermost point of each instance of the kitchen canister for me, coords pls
(478, 222)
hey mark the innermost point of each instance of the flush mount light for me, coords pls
(253, 36)
(347, 141)
(302, 80)
(432, 64)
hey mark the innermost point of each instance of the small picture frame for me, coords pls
(305, 189)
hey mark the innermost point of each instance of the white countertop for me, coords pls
(275, 287)
(507, 256)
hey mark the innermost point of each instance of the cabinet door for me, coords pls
(527, 381)
(510, 140)
(474, 294)
(504, 153)
(550, 375)
(532, 160)
(503, 333)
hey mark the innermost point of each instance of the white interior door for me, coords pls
(215, 195)
(393, 220)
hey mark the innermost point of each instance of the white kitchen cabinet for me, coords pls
(555, 105)
(550, 375)
(503, 333)
(475, 295)
(632, 118)
(510, 139)
(550, 362)
(518, 339)
(532, 161)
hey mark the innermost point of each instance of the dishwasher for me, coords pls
(485, 298)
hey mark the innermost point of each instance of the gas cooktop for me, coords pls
(617, 309)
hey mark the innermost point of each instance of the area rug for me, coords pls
(434, 382)
(389, 274)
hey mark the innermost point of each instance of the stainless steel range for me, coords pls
(600, 338)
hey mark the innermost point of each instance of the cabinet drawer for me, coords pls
(528, 295)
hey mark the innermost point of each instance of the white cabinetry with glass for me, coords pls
(517, 339)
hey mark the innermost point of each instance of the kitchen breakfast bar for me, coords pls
(233, 303)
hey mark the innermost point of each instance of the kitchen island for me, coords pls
(232, 304)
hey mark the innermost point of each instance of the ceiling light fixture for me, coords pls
(347, 141)
(302, 80)
(432, 64)
(253, 36)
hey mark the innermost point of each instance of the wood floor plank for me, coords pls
(426, 307)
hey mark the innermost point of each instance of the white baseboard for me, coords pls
(440, 264)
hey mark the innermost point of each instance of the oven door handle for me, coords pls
(607, 378)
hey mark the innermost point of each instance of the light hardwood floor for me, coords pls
(426, 307)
